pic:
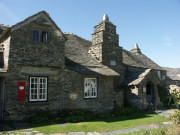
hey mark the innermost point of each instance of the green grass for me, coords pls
(114, 123)
(157, 131)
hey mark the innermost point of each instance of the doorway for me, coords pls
(149, 92)
(2, 97)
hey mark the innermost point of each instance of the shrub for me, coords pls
(90, 116)
(137, 110)
(104, 115)
(118, 110)
(74, 119)
(175, 90)
(163, 94)
(39, 120)
(59, 120)
(66, 113)
(128, 111)
(175, 117)
(80, 112)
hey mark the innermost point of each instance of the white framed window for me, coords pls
(160, 75)
(38, 89)
(90, 87)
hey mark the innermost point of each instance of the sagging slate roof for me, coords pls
(135, 77)
(139, 60)
(172, 73)
(3, 28)
(79, 60)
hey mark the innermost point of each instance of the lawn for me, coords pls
(171, 130)
(113, 123)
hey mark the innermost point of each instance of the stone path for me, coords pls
(24, 128)
(165, 112)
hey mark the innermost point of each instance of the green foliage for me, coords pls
(59, 120)
(175, 117)
(163, 94)
(104, 115)
(66, 113)
(118, 110)
(122, 111)
(39, 120)
(80, 112)
(74, 119)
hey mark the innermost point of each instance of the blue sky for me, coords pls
(153, 24)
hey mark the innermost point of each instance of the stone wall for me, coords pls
(28, 58)
(136, 95)
(106, 49)
(73, 93)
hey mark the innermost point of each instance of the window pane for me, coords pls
(38, 89)
(90, 89)
(44, 36)
(35, 35)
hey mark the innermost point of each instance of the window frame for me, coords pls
(38, 89)
(34, 36)
(46, 36)
(96, 89)
(159, 72)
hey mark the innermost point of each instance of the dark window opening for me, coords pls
(35, 35)
(44, 37)
(148, 89)
(1, 59)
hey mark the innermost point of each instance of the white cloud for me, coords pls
(7, 14)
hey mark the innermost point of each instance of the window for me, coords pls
(38, 89)
(90, 88)
(159, 75)
(44, 37)
(35, 35)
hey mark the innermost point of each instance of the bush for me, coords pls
(118, 110)
(128, 111)
(163, 94)
(175, 117)
(66, 113)
(74, 119)
(80, 112)
(39, 120)
(59, 120)
(137, 110)
(104, 115)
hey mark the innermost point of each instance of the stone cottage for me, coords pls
(44, 69)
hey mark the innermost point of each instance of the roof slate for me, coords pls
(3, 28)
(78, 58)
(172, 73)
(139, 60)
(135, 77)
(28, 20)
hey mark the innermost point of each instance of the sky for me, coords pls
(153, 24)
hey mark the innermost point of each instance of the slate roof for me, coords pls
(79, 60)
(139, 60)
(135, 77)
(28, 20)
(172, 73)
(3, 28)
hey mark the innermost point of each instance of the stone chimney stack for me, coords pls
(105, 42)
(136, 49)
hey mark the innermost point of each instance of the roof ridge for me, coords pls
(67, 33)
